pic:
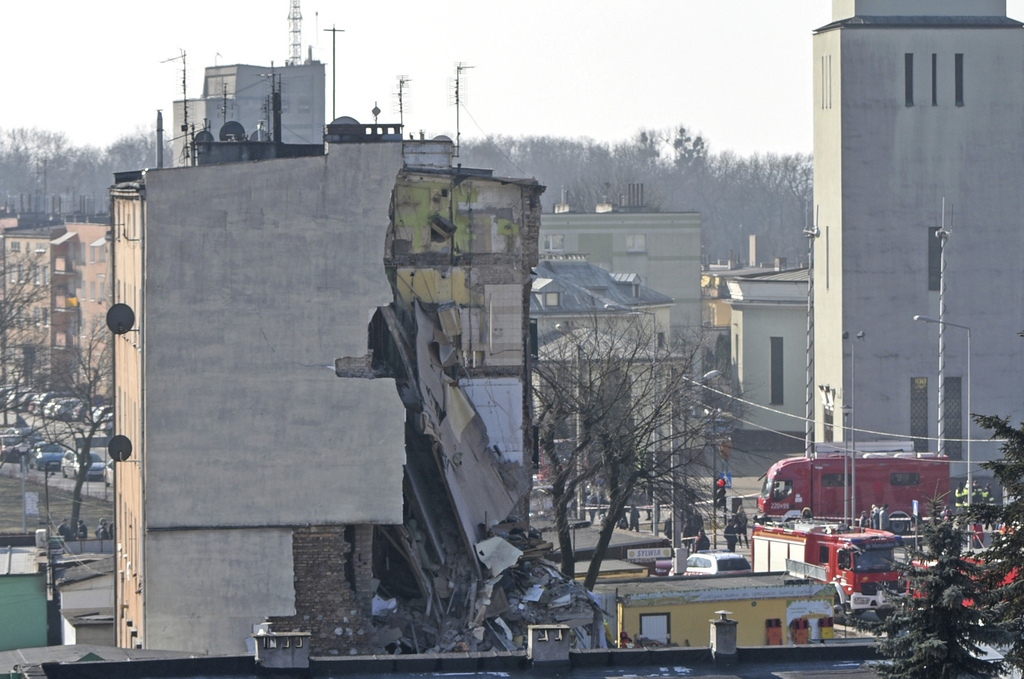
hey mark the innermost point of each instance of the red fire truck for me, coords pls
(858, 561)
(896, 479)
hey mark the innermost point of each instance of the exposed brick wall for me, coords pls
(326, 605)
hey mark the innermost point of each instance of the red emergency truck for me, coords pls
(896, 479)
(858, 561)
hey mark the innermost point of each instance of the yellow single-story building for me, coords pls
(769, 609)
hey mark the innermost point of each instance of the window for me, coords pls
(832, 480)
(908, 78)
(46, 275)
(904, 479)
(636, 242)
(919, 413)
(935, 80)
(782, 489)
(655, 627)
(551, 299)
(958, 76)
(41, 248)
(554, 242)
(822, 553)
(15, 246)
(775, 366)
(37, 274)
(826, 81)
(829, 429)
(46, 317)
(92, 255)
(934, 259)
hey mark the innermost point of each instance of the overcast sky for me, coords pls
(738, 71)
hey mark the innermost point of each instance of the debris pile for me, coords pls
(521, 591)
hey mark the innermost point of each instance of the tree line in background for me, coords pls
(37, 162)
(767, 195)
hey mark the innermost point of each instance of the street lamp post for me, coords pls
(929, 319)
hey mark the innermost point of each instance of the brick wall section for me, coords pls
(326, 606)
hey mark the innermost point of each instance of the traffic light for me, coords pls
(720, 493)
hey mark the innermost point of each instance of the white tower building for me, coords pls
(918, 102)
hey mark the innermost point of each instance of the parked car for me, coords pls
(714, 562)
(47, 456)
(69, 466)
(63, 408)
(15, 443)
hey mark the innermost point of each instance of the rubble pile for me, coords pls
(522, 591)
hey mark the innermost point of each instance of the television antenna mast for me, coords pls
(403, 85)
(459, 68)
(185, 129)
(295, 29)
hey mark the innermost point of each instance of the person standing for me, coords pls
(64, 530)
(883, 517)
(702, 541)
(731, 535)
(634, 519)
(741, 526)
(83, 531)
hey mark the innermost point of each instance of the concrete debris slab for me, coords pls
(497, 554)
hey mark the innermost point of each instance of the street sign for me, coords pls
(728, 479)
(648, 555)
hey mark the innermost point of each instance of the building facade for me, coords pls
(243, 93)
(918, 112)
(263, 487)
(662, 248)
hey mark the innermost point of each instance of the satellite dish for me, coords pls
(120, 448)
(232, 131)
(204, 137)
(120, 318)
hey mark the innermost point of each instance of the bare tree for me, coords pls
(614, 403)
(83, 373)
(23, 334)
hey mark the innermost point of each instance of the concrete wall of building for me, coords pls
(258, 276)
(755, 326)
(248, 281)
(670, 263)
(844, 9)
(207, 588)
(882, 172)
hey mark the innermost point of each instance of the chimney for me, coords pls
(281, 650)
(723, 639)
(752, 252)
(548, 645)
(780, 263)
(159, 139)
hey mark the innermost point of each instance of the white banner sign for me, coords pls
(32, 504)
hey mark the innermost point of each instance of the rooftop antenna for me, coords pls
(459, 68)
(295, 28)
(224, 102)
(334, 68)
(185, 129)
(403, 85)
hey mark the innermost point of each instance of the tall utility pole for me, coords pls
(942, 234)
(334, 69)
(811, 232)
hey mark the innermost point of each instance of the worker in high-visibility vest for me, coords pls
(961, 495)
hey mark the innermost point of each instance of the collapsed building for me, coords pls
(382, 512)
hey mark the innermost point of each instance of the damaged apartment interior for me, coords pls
(459, 253)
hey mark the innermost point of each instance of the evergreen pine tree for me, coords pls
(1005, 557)
(940, 624)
